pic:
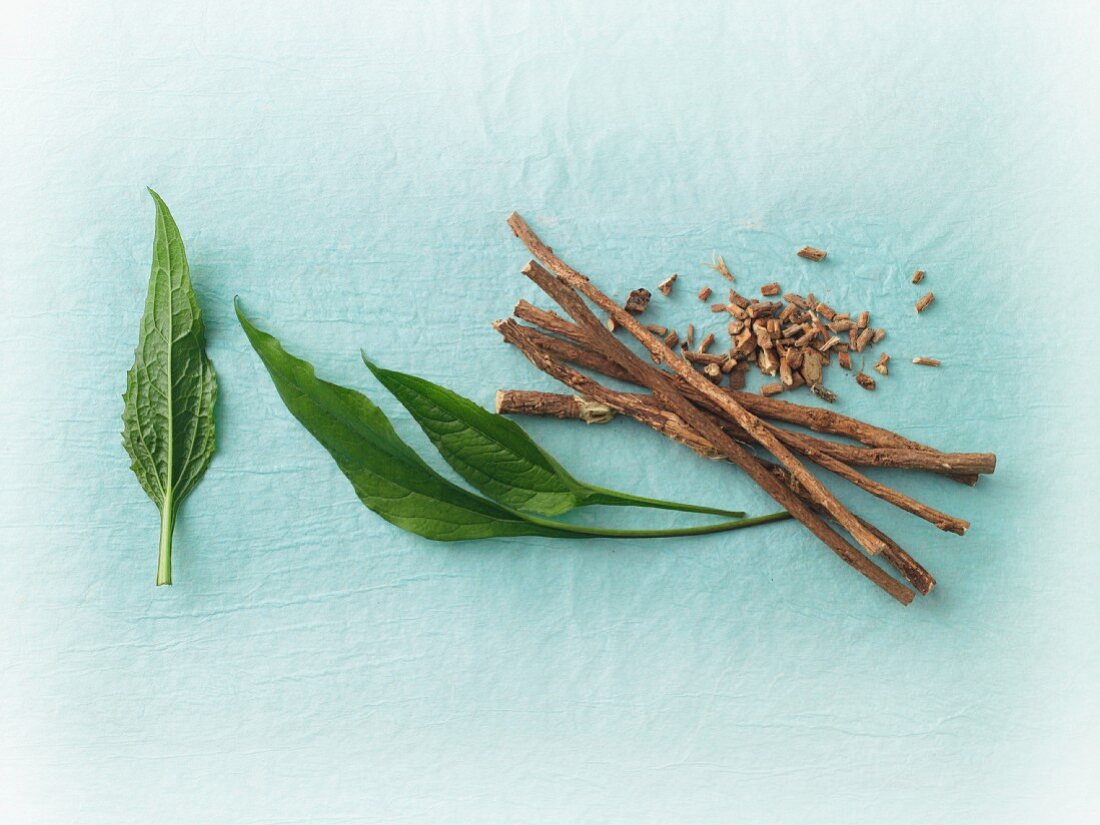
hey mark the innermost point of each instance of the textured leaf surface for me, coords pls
(491, 452)
(495, 455)
(168, 418)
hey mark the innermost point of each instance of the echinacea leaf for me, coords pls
(168, 417)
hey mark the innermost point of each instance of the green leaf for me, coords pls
(496, 456)
(392, 480)
(168, 418)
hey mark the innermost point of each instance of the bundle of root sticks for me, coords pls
(724, 423)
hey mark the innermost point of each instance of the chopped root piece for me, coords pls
(755, 310)
(769, 290)
(763, 337)
(719, 307)
(767, 361)
(880, 367)
(744, 344)
(812, 254)
(706, 343)
(923, 303)
(864, 339)
(844, 359)
(786, 374)
(771, 389)
(863, 319)
(918, 276)
(878, 336)
(672, 339)
(637, 301)
(807, 336)
(665, 287)
(719, 266)
(705, 293)
(695, 357)
(822, 392)
(689, 339)
(812, 362)
(927, 362)
(713, 372)
(657, 329)
(865, 381)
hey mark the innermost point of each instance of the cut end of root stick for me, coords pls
(593, 412)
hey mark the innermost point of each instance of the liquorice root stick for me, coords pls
(722, 445)
(548, 320)
(667, 392)
(635, 405)
(553, 405)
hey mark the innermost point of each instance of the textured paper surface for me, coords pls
(346, 168)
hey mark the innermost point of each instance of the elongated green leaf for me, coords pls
(392, 480)
(495, 455)
(168, 418)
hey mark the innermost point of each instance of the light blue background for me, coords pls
(347, 168)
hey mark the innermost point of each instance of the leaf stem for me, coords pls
(613, 498)
(164, 558)
(721, 527)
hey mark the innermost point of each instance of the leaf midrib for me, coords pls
(169, 501)
(402, 382)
